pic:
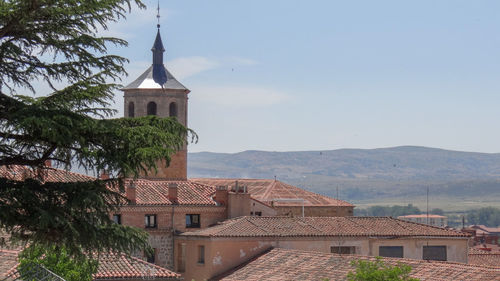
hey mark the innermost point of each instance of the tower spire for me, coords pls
(159, 73)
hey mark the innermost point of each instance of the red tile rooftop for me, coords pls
(322, 226)
(269, 190)
(423, 216)
(117, 266)
(486, 258)
(284, 264)
(155, 192)
(149, 192)
(111, 266)
(20, 173)
(8, 262)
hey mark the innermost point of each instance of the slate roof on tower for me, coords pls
(145, 81)
(156, 76)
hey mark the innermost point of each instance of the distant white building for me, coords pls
(434, 220)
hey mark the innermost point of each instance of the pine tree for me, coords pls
(57, 42)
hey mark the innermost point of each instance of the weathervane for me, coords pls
(158, 15)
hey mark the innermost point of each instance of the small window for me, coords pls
(151, 256)
(391, 251)
(201, 254)
(151, 110)
(117, 218)
(192, 221)
(172, 109)
(131, 109)
(436, 253)
(150, 221)
(259, 214)
(343, 250)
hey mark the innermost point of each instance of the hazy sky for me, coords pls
(318, 75)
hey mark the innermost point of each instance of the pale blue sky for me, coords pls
(317, 75)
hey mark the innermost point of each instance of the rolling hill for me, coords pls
(368, 176)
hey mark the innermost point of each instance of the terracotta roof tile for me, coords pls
(284, 264)
(267, 190)
(8, 262)
(423, 216)
(111, 266)
(322, 226)
(486, 258)
(155, 192)
(19, 173)
(149, 192)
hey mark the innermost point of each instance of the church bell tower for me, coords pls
(157, 92)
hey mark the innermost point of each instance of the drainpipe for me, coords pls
(173, 237)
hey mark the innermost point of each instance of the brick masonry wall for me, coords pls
(177, 170)
(161, 237)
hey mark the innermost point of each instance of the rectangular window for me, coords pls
(342, 250)
(391, 251)
(117, 218)
(201, 254)
(150, 221)
(259, 214)
(192, 221)
(436, 253)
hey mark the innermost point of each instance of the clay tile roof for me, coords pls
(114, 266)
(485, 258)
(111, 266)
(322, 226)
(423, 216)
(8, 262)
(284, 264)
(155, 192)
(267, 190)
(20, 173)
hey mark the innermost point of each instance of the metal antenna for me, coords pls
(158, 15)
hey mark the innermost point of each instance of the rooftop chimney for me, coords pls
(130, 193)
(104, 175)
(221, 195)
(48, 163)
(172, 191)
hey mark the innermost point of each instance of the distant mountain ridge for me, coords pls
(364, 174)
(403, 162)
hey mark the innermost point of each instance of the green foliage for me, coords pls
(56, 42)
(58, 261)
(379, 271)
(488, 216)
(386, 211)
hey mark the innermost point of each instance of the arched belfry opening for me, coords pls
(151, 108)
(131, 109)
(172, 109)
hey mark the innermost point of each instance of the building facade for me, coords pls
(207, 253)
